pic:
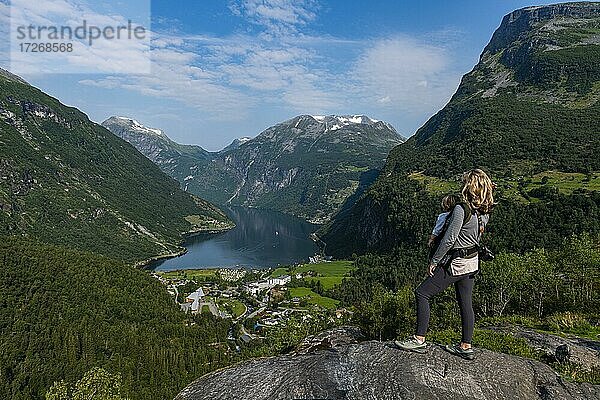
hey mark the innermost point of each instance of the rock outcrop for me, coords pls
(519, 21)
(583, 352)
(336, 365)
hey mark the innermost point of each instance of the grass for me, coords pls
(324, 269)
(327, 281)
(494, 341)
(435, 185)
(313, 298)
(328, 273)
(206, 223)
(236, 307)
(565, 182)
(560, 324)
(328, 269)
(564, 324)
(353, 168)
(277, 272)
(232, 306)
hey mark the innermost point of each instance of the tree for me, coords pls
(540, 278)
(96, 384)
(388, 313)
(501, 283)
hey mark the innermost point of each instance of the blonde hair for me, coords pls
(449, 201)
(477, 191)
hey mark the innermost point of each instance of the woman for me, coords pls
(456, 262)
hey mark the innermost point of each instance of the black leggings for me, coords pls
(438, 283)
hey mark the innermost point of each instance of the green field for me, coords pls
(334, 268)
(435, 185)
(235, 306)
(566, 182)
(313, 298)
(326, 281)
(280, 271)
(329, 273)
(353, 168)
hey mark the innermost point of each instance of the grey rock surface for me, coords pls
(376, 370)
(520, 21)
(581, 351)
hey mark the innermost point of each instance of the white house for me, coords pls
(281, 280)
(257, 287)
(195, 299)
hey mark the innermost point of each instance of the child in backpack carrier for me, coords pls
(448, 203)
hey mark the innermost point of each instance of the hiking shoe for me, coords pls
(412, 344)
(467, 354)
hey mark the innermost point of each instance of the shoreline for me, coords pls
(214, 269)
(211, 231)
(145, 264)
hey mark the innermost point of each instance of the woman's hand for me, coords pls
(431, 270)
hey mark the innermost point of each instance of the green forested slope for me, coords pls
(77, 207)
(63, 312)
(529, 107)
(66, 180)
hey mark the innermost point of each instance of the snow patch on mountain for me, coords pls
(138, 127)
(344, 120)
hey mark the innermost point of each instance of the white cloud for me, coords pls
(228, 78)
(104, 56)
(405, 73)
(232, 77)
(278, 17)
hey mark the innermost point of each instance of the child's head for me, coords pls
(449, 201)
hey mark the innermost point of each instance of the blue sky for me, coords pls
(223, 69)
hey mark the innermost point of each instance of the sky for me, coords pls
(223, 69)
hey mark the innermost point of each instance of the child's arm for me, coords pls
(431, 240)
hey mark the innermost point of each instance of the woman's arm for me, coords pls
(454, 227)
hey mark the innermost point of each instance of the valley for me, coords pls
(308, 166)
(260, 239)
(257, 300)
(285, 265)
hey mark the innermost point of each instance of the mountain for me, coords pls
(308, 166)
(528, 113)
(337, 365)
(66, 180)
(235, 144)
(155, 144)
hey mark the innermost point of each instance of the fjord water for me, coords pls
(260, 239)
